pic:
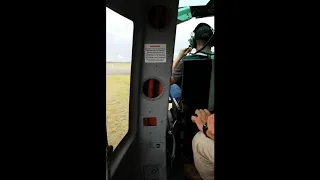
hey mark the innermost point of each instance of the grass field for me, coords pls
(118, 90)
(118, 66)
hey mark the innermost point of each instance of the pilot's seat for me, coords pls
(196, 88)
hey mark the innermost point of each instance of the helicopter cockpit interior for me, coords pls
(158, 140)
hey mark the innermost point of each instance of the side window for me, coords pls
(119, 38)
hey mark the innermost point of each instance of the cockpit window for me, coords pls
(184, 31)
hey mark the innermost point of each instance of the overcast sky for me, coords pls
(120, 33)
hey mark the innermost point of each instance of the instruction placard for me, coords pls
(155, 53)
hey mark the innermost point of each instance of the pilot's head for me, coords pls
(203, 35)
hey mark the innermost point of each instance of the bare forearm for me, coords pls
(210, 135)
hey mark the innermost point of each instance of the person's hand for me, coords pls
(201, 118)
(184, 52)
(210, 124)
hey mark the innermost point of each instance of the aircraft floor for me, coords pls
(178, 174)
(179, 177)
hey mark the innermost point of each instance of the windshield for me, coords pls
(185, 29)
(183, 3)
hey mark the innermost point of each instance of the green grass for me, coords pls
(118, 90)
(119, 65)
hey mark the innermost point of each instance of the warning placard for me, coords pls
(155, 53)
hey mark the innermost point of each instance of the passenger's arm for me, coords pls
(210, 123)
(177, 66)
(182, 54)
(177, 73)
(204, 116)
(210, 135)
(172, 81)
(175, 63)
(174, 70)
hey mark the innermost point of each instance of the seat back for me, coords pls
(211, 92)
(195, 84)
(195, 87)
